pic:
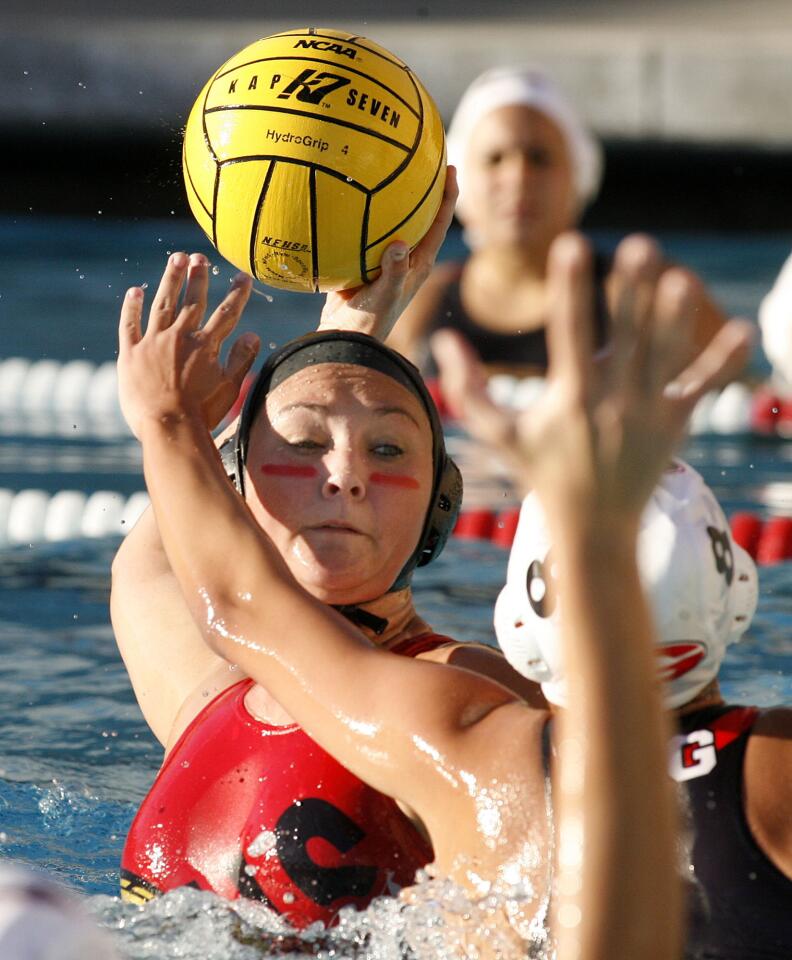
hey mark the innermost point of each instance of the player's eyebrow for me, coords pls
(323, 407)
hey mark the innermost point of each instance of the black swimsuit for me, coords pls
(527, 349)
(743, 910)
(739, 903)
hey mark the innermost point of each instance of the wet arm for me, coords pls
(163, 650)
(611, 787)
(347, 695)
(491, 663)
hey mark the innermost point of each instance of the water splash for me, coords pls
(261, 293)
(434, 922)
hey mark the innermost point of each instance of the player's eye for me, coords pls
(388, 450)
(539, 157)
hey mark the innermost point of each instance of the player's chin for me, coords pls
(340, 569)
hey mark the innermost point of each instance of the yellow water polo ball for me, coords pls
(310, 151)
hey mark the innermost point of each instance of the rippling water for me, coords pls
(75, 755)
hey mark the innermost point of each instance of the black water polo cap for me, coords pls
(340, 346)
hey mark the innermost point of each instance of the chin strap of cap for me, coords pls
(362, 618)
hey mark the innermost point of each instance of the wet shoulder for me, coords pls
(488, 662)
(768, 786)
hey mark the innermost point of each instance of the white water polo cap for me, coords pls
(526, 87)
(775, 322)
(40, 920)
(702, 588)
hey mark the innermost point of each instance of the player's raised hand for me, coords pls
(174, 367)
(375, 307)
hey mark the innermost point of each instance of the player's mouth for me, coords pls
(340, 527)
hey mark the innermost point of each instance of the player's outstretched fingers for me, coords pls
(131, 323)
(637, 266)
(569, 327)
(166, 299)
(195, 294)
(718, 363)
(665, 352)
(395, 266)
(243, 352)
(226, 316)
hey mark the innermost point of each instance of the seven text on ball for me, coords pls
(312, 87)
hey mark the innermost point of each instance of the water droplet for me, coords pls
(288, 897)
(272, 344)
(144, 285)
(185, 763)
(26, 73)
(349, 179)
(215, 271)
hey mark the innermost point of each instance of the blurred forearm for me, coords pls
(617, 825)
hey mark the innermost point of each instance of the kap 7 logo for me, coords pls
(311, 86)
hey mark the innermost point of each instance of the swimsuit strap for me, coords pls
(421, 644)
(547, 748)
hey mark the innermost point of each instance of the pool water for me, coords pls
(75, 755)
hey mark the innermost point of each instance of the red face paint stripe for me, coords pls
(395, 480)
(287, 470)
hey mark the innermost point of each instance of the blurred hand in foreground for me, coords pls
(598, 438)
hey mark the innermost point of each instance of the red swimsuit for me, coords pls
(246, 808)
